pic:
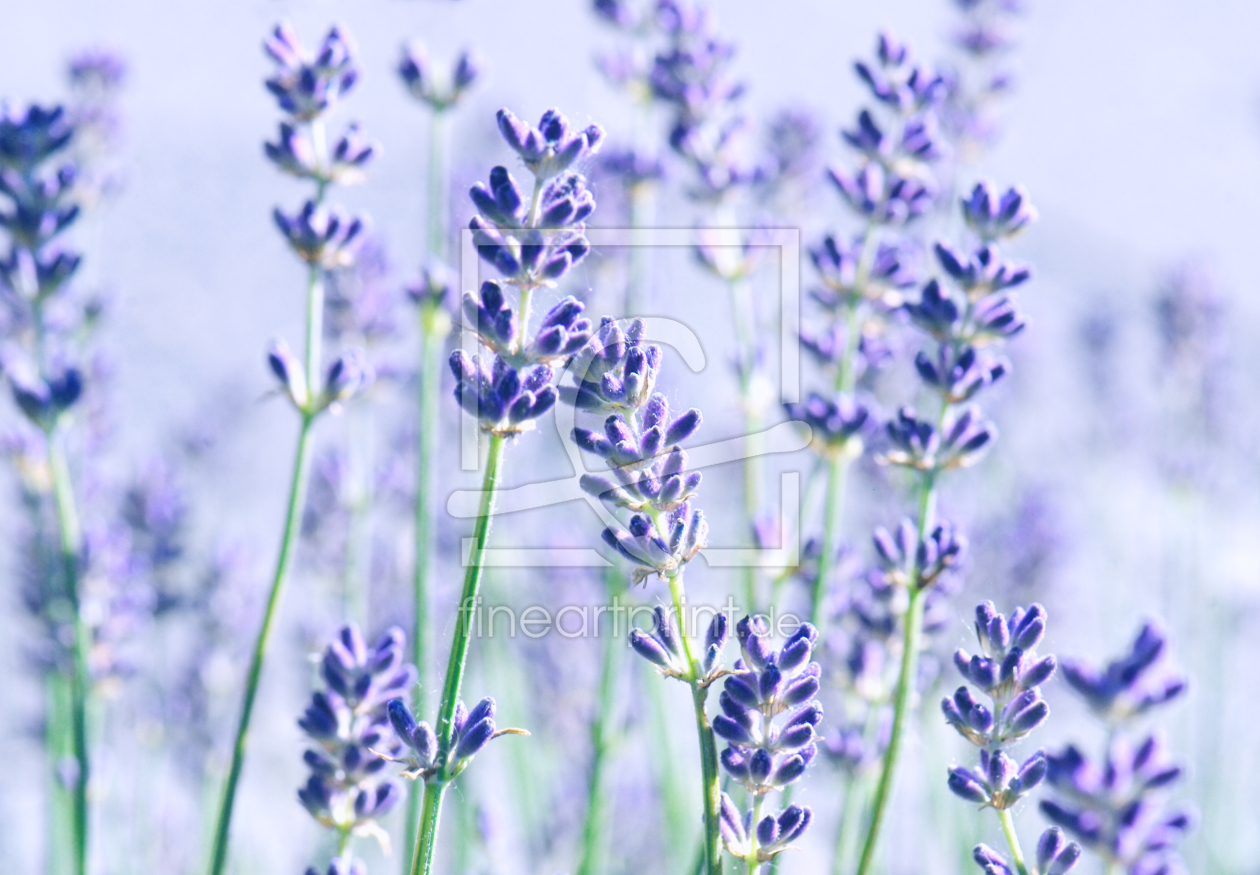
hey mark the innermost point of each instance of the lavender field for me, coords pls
(632, 435)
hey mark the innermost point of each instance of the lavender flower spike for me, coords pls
(350, 734)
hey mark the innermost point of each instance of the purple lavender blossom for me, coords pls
(1129, 685)
(1116, 809)
(439, 90)
(350, 731)
(763, 754)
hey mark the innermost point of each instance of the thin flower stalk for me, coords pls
(306, 87)
(430, 295)
(966, 316)
(509, 385)
(38, 184)
(648, 478)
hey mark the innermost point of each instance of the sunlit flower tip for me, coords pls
(992, 217)
(653, 552)
(661, 645)
(552, 147)
(1055, 854)
(321, 236)
(288, 369)
(348, 375)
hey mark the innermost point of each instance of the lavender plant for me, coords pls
(306, 87)
(440, 95)
(764, 755)
(651, 483)
(352, 737)
(1117, 807)
(964, 324)
(863, 282)
(1009, 672)
(40, 359)
(509, 386)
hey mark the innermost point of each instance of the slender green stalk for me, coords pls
(80, 682)
(912, 642)
(288, 543)
(1012, 839)
(711, 787)
(595, 826)
(58, 746)
(426, 840)
(434, 327)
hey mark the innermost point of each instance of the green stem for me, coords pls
(1012, 839)
(711, 788)
(433, 330)
(434, 327)
(426, 841)
(288, 542)
(595, 827)
(911, 644)
(80, 682)
(58, 746)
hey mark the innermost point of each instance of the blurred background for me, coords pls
(1125, 484)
